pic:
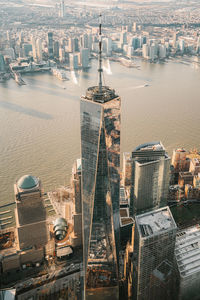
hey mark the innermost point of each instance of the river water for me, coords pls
(40, 124)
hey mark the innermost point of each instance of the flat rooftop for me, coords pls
(154, 222)
(127, 221)
(155, 146)
(187, 251)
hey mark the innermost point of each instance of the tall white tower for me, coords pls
(39, 49)
(62, 9)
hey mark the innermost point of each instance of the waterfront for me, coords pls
(40, 130)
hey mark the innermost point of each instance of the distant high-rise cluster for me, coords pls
(108, 232)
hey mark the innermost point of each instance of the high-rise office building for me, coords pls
(50, 44)
(21, 37)
(26, 49)
(174, 39)
(39, 49)
(162, 51)
(62, 9)
(100, 153)
(2, 63)
(75, 45)
(181, 46)
(187, 254)
(30, 213)
(198, 46)
(84, 41)
(135, 43)
(8, 35)
(153, 51)
(108, 46)
(70, 45)
(123, 38)
(150, 177)
(154, 243)
(34, 49)
(61, 54)
(56, 47)
(10, 52)
(145, 51)
(85, 57)
(134, 26)
(73, 61)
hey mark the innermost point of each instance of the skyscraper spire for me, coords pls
(100, 70)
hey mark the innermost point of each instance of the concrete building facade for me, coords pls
(187, 254)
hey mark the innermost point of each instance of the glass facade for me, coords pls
(50, 44)
(150, 177)
(100, 151)
(154, 244)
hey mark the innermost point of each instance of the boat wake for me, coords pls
(139, 86)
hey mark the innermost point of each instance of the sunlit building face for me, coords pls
(100, 151)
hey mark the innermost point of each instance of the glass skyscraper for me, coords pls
(150, 177)
(154, 244)
(50, 44)
(100, 153)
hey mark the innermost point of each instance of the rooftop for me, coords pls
(93, 94)
(185, 174)
(27, 182)
(180, 150)
(127, 221)
(7, 294)
(155, 146)
(187, 251)
(155, 222)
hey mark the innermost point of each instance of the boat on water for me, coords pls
(19, 79)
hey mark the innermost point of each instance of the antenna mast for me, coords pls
(100, 70)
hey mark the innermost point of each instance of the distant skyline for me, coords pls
(105, 1)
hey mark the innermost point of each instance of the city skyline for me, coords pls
(106, 233)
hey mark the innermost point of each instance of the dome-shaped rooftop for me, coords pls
(60, 228)
(27, 182)
(60, 222)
